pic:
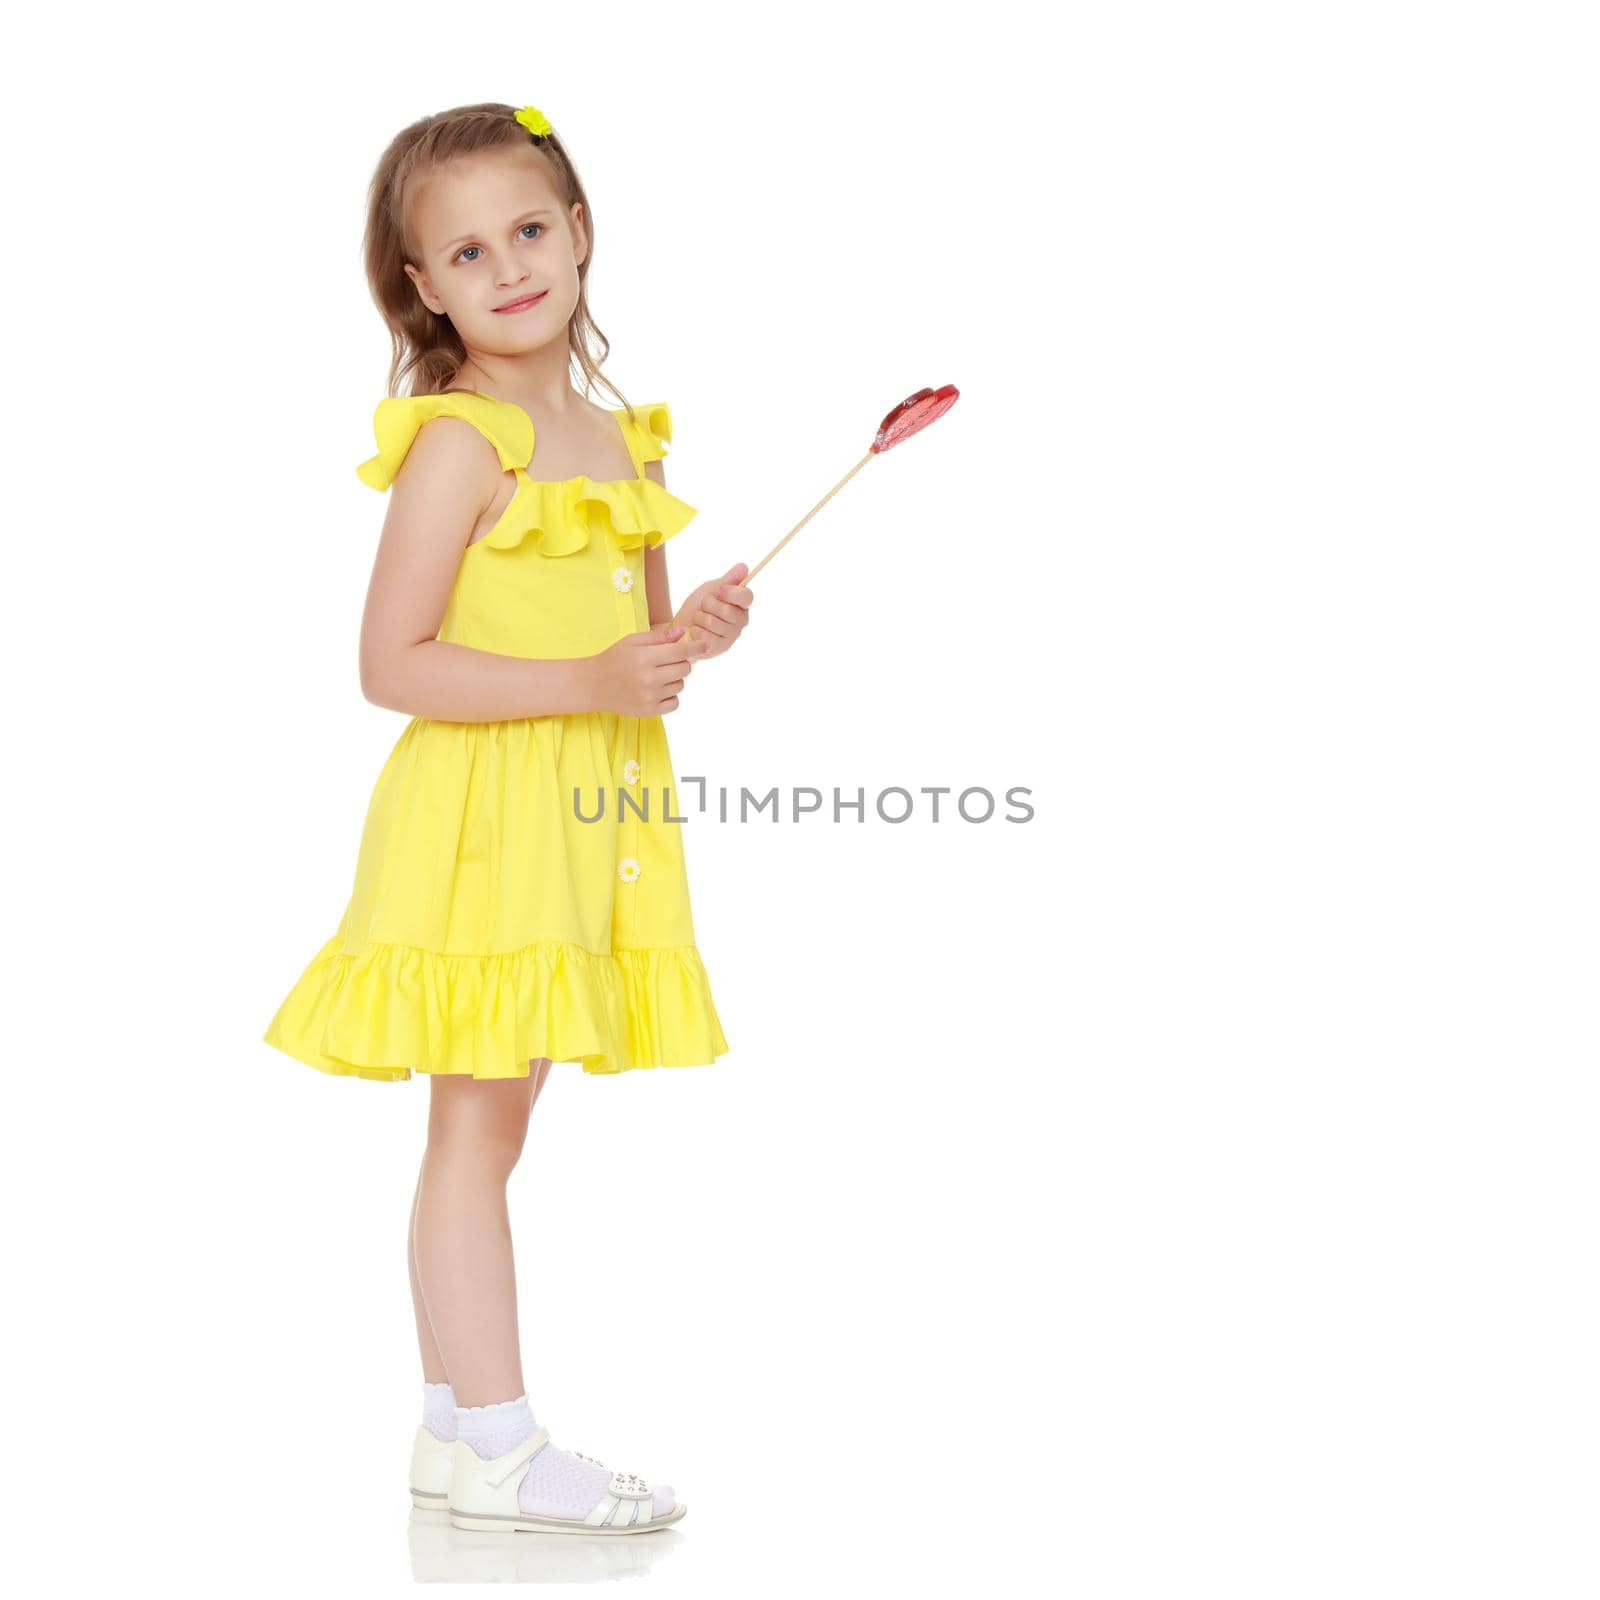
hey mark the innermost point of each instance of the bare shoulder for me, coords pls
(445, 485)
(450, 447)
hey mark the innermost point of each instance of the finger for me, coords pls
(736, 594)
(677, 650)
(719, 608)
(719, 630)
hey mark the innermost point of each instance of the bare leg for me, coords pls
(432, 1362)
(463, 1282)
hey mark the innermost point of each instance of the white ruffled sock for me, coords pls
(439, 1411)
(494, 1429)
(557, 1482)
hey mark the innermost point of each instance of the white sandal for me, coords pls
(483, 1496)
(431, 1463)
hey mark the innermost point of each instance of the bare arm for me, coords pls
(713, 616)
(657, 595)
(446, 480)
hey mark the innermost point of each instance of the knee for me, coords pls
(489, 1150)
(501, 1151)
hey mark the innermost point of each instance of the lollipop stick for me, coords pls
(910, 417)
(809, 515)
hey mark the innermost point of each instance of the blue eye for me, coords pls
(522, 230)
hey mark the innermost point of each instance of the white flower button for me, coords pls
(628, 870)
(630, 773)
(623, 579)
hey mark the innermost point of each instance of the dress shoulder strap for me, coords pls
(399, 418)
(648, 435)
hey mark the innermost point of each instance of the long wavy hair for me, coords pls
(427, 353)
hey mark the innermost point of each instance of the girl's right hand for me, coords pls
(642, 673)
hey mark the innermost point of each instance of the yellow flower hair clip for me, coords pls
(534, 120)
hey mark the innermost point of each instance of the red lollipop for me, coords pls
(911, 416)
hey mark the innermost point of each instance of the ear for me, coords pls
(580, 235)
(425, 290)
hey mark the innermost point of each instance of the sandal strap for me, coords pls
(624, 1485)
(629, 1486)
(519, 1458)
(628, 1501)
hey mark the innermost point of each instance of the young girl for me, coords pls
(519, 892)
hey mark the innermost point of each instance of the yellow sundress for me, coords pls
(488, 925)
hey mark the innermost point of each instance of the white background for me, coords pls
(1190, 1190)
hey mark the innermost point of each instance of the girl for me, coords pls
(519, 892)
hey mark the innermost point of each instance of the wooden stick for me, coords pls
(809, 515)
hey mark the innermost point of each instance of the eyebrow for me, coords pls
(527, 216)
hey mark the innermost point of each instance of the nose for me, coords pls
(508, 270)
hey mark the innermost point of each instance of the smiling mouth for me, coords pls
(523, 304)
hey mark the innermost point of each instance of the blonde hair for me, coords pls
(426, 350)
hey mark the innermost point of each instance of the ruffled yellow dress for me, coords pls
(489, 925)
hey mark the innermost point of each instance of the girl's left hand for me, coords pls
(716, 613)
